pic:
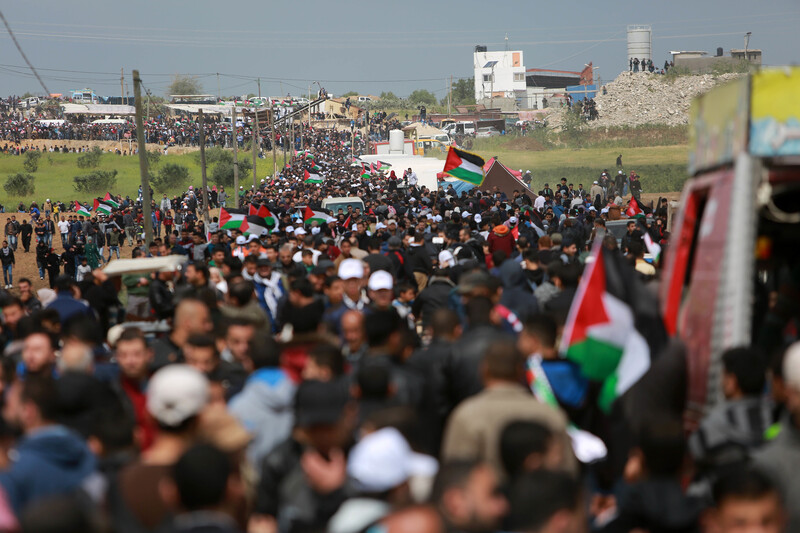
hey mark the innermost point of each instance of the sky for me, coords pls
(355, 45)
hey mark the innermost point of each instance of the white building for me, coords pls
(498, 74)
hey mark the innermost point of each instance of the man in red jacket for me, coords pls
(501, 239)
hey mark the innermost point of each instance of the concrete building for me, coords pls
(499, 74)
(699, 62)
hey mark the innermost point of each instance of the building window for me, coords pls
(488, 78)
(519, 76)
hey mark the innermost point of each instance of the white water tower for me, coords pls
(640, 41)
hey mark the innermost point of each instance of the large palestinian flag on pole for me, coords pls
(262, 211)
(613, 327)
(634, 210)
(464, 166)
(231, 218)
(109, 200)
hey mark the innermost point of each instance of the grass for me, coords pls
(662, 168)
(56, 171)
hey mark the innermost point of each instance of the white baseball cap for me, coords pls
(241, 239)
(446, 259)
(383, 460)
(513, 220)
(315, 230)
(176, 393)
(289, 229)
(351, 268)
(300, 231)
(478, 218)
(380, 279)
(380, 225)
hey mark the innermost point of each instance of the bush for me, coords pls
(170, 176)
(153, 157)
(19, 184)
(222, 174)
(97, 181)
(31, 163)
(90, 159)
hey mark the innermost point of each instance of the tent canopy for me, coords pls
(500, 176)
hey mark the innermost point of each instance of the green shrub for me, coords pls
(90, 159)
(153, 157)
(20, 184)
(222, 174)
(31, 162)
(170, 176)
(97, 181)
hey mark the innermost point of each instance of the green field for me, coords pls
(662, 168)
(54, 178)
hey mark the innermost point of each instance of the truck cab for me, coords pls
(732, 271)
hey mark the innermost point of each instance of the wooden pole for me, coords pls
(140, 141)
(203, 167)
(274, 148)
(255, 151)
(234, 135)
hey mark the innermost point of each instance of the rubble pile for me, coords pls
(638, 98)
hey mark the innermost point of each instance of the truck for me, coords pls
(730, 274)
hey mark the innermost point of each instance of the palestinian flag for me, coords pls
(101, 208)
(311, 178)
(464, 166)
(82, 210)
(355, 160)
(347, 222)
(613, 327)
(254, 225)
(231, 218)
(316, 168)
(383, 166)
(653, 248)
(633, 209)
(309, 216)
(309, 155)
(373, 169)
(365, 174)
(109, 200)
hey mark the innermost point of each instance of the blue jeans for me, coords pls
(64, 239)
(7, 274)
(12, 241)
(41, 271)
(111, 251)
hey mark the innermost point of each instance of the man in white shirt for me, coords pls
(63, 229)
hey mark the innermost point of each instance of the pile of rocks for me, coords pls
(634, 99)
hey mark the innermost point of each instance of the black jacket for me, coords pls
(433, 297)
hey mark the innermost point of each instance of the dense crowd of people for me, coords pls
(387, 368)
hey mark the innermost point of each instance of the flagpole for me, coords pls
(234, 133)
(255, 148)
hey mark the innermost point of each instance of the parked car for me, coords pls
(487, 132)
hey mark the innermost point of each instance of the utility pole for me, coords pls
(122, 86)
(449, 95)
(147, 211)
(219, 91)
(274, 153)
(203, 166)
(255, 152)
(234, 134)
(259, 87)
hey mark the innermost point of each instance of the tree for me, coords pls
(170, 176)
(31, 162)
(19, 184)
(90, 159)
(463, 91)
(349, 93)
(96, 181)
(422, 97)
(184, 84)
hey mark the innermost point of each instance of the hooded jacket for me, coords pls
(51, 461)
(517, 294)
(264, 407)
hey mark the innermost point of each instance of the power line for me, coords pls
(16, 43)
